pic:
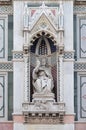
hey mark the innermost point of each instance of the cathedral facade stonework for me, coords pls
(42, 65)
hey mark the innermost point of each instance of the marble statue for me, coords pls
(42, 79)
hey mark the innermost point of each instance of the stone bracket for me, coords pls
(43, 118)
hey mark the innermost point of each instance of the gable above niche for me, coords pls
(43, 13)
(44, 23)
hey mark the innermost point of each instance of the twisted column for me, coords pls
(26, 77)
(61, 79)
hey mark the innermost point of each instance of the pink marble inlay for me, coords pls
(6, 125)
(80, 126)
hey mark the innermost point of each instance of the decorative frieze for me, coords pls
(80, 2)
(80, 9)
(17, 55)
(6, 66)
(4, 9)
(48, 118)
(68, 55)
(5, 2)
(80, 66)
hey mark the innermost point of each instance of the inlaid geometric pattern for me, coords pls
(68, 55)
(6, 66)
(18, 55)
(79, 9)
(80, 66)
(6, 9)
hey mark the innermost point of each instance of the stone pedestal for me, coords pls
(47, 96)
(43, 109)
(43, 102)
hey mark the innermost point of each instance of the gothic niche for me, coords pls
(44, 106)
(43, 68)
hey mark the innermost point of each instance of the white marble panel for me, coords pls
(2, 38)
(68, 25)
(69, 87)
(82, 38)
(3, 96)
(81, 96)
(18, 86)
(18, 25)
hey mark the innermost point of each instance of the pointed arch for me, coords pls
(47, 33)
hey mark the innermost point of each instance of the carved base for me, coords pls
(43, 110)
(43, 118)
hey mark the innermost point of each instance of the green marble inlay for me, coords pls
(10, 37)
(10, 95)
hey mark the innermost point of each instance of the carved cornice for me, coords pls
(44, 118)
(42, 0)
(80, 2)
(5, 2)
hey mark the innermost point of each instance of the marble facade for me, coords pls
(44, 95)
